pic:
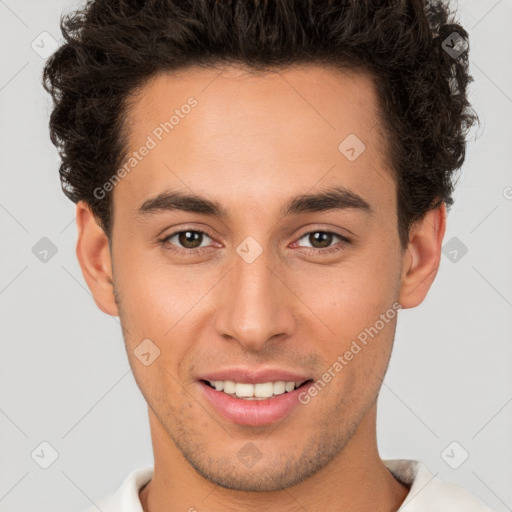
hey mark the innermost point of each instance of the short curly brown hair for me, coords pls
(419, 66)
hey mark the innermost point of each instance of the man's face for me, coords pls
(255, 290)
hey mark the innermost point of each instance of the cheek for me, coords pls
(157, 304)
(355, 367)
(357, 305)
(349, 296)
(153, 296)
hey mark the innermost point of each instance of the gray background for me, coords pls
(64, 373)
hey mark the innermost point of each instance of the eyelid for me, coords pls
(164, 239)
(337, 247)
(331, 231)
(344, 241)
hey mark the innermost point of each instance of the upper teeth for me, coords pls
(260, 390)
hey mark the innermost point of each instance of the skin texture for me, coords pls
(252, 142)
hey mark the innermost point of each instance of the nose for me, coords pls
(256, 306)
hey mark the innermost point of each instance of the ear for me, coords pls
(422, 257)
(93, 254)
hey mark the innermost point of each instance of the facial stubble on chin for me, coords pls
(273, 472)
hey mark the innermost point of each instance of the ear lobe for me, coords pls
(422, 257)
(93, 254)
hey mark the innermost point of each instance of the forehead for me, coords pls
(237, 135)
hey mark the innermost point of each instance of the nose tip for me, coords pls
(255, 311)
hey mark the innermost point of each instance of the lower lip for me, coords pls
(253, 412)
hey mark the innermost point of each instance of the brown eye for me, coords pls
(190, 239)
(320, 239)
(184, 241)
(321, 242)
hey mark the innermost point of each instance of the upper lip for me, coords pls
(248, 376)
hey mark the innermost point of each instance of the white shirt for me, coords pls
(427, 493)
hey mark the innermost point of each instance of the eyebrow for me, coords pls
(333, 198)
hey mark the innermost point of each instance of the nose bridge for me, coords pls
(254, 307)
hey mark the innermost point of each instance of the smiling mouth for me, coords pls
(259, 391)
